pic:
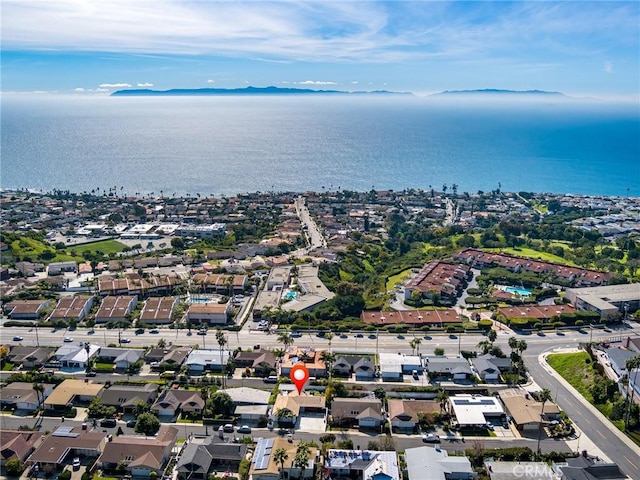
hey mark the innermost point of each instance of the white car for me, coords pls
(244, 429)
(67, 339)
(431, 438)
(76, 463)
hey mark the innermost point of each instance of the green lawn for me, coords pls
(104, 246)
(573, 368)
(345, 276)
(531, 253)
(397, 279)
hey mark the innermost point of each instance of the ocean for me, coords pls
(229, 145)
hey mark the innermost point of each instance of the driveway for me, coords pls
(311, 424)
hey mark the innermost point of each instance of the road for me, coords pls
(314, 236)
(617, 450)
(359, 439)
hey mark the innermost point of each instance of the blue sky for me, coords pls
(581, 48)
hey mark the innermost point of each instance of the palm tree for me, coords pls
(280, 456)
(485, 346)
(492, 335)
(286, 339)
(329, 336)
(415, 345)
(328, 358)
(222, 341)
(301, 459)
(544, 397)
(513, 344)
(442, 398)
(631, 364)
(39, 389)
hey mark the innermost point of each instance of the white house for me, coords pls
(200, 360)
(76, 356)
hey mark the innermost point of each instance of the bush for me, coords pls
(66, 475)
(485, 324)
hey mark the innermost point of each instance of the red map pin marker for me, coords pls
(299, 376)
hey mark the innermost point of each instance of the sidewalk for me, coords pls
(582, 442)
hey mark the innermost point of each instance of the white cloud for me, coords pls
(315, 82)
(115, 85)
(355, 82)
(145, 84)
(608, 67)
(79, 90)
(101, 90)
(211, 81)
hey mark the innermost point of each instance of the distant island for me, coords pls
(495, 91)
(246, 91)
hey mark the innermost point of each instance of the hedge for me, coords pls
(485, 324)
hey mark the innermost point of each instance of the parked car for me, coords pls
(270, 379)
(415, 374)
(202, 332)
(244, 429)
(131, 423)
(489, 426)
(228, 428)
(17, 338)
(67, 339)
(90, 374)
(76, 463)
(125, 340)
(431, 438)
(155, 330)
(108, 422)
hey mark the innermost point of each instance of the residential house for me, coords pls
(264, 466)
(140, 455)
(588, 467)
(527, 413)
(122, 358)
(221, 283)
(444, 280)
(25, 309)
(393, 366)
(247, 396)
(72, 392)
(202, 455)
(502, 470)
(75, 357)
(116, 308)
(58, 449)
(404, 414)
(618, 358)
(309, 356)
(22, 396)
(58, 268)
(125, 397)
(542, 313)
(17, 444)
(447, 368)
(210, 313)
(364, 412)
(413, 318)
(434, 463)
(475, 410)
(297, 405)
(72, 308)
(361, 365)
(261, 361)
(172, 402)
(203, 360)
(362, 465)
(170, 357)
(489, 368)
(30, 358)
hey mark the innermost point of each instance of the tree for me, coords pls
(147, 424)
(301, 460)
(221, 403)
(328, 358)
(280, 456)
(285, 416)
(492, 335)
(222, 341)
(438, 351)
(442, 399)
(39, 389)
(544, 396)
(329, 336)
(177, 243)
(286, 339)
(631, 364)
(13, 467)
(140, 407)
(415, 345)
(485, 346)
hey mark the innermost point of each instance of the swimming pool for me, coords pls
(290, 296)
(523, 292)
(200, 299)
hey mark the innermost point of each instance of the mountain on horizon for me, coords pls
(496, 91)
(271, 90)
